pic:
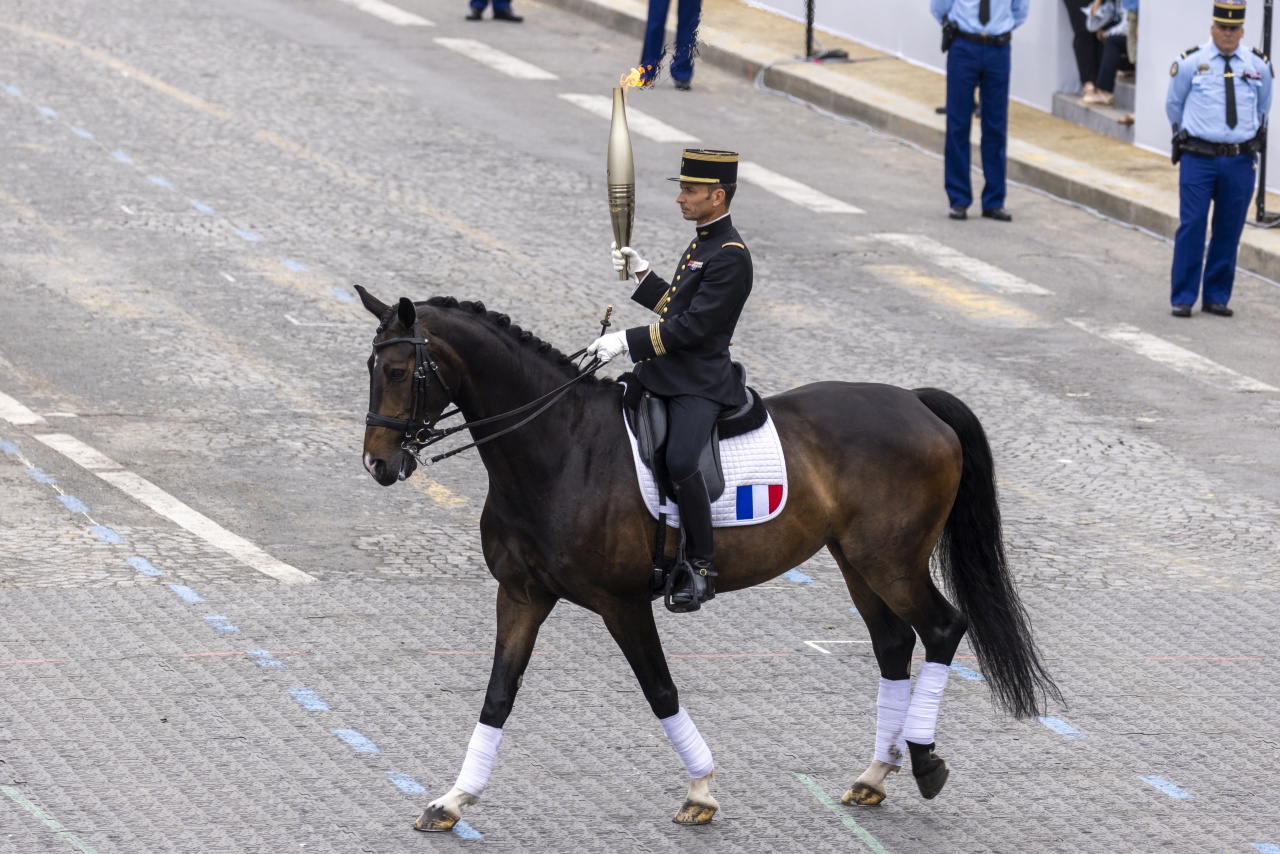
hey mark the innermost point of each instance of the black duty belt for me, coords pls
(1195, 145)
(1003, 38)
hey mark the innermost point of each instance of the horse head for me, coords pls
(408, 388)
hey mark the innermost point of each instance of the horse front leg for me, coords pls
(636, 634)
(520, 614)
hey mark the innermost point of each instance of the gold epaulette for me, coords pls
(1190, 51)
(1260, 55)
(739, 245)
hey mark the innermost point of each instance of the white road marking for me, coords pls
(15, 413)
(793, 191)
(175, 511)
(496, 59)
(985, 274)
(390, 14)
(638, 122)
(78, 452)
(818, 645)
(1171, 355)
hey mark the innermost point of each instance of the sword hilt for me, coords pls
(604, 323)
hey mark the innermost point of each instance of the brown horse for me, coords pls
(883, 477)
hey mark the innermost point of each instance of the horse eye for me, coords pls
(398, 374)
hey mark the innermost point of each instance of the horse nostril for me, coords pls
(374, 466)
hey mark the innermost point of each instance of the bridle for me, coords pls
(418, 431)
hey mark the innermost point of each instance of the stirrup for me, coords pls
(690, 585)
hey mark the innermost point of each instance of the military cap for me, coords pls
(700, 166)
(1228, 13)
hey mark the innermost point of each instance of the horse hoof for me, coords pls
(692, 813)
(863, 795)
(435, 819)
(933, 778)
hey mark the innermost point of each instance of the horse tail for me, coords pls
(971, 554)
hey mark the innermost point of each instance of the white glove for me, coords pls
(639, 266)
(613, 344)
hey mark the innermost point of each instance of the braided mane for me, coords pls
(524, 337)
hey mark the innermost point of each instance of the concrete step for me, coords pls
(1103, 120)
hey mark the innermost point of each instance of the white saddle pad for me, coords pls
(755, 479)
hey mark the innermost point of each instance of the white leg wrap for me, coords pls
(922, 715)
(891, 716)
(687, 741)
(481, 753)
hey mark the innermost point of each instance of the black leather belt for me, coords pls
(1003, 38)
(1204, 147)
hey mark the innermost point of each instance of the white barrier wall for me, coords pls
(1042, 59)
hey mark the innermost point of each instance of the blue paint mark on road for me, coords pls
(246, 234)
(356, 741)
(466, 831)
(13, 90)
(1060, 726)
(342, 295)
(262, 658)
(160, 182)
(854, 611)
(48, 111)
(37, 475)
(9, 448)
(293, 265)
(1165, 786)
(405, 783)
(106, 534)
(969, 673)
(309, 700)
(797, 576)
(1265, 847)
(222, 625)
(122, 157)
(143, 565)
(187, 594)
(202, 207)
(75, 505)
(82, 133)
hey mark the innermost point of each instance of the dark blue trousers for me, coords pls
(497, 4)
(983, 67)
(1227, 182)
(688, 13)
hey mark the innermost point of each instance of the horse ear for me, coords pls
(407, 313)
(376, 306)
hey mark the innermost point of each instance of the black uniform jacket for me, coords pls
(687, 350)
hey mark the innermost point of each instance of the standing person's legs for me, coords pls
(688, 15)
(1114, 60)
(478, 6)
(1084, 44)
(655, 38)
(1196, 180)
(1236, 177)
(995, 123)
(963, 67)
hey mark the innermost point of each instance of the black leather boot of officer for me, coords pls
(692, 586)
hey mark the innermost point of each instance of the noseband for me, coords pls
(417, 430)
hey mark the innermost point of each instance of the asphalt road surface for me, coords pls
(218, 634)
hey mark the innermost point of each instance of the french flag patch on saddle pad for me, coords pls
(755, 480)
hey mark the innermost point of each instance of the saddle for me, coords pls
(647, 417)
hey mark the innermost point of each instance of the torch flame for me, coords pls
(635, 78)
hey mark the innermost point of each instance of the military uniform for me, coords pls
(1217, 106)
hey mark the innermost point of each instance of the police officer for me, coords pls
(1218, 102)
(684, 356)
(976, 36)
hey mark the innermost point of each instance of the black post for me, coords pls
(808, 26)
(1263, 217)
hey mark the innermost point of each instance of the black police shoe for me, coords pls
(692, 583)
(1218, 308)
(475, 14)
(998, 214)
(683, 85)
(506, 15)
(1181, 311)
(958, 212)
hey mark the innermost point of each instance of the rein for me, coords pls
(420, 432)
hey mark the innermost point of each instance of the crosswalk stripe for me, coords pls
(15, 413)
(496, 59)
(638, 122)
(1171, 355)
(957, 297)
(985, 274)
(793, 191)
(390, 14)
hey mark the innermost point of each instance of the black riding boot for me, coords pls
(693, 582)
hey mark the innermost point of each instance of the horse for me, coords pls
(887, 479)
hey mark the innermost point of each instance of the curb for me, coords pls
(1076, 181)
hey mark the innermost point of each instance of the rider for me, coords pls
(684, 356)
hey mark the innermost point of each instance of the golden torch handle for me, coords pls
(621, 177)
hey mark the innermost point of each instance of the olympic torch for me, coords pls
(621, 179)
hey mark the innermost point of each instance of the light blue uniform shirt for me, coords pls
(1197, 99)
(1005, 15)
